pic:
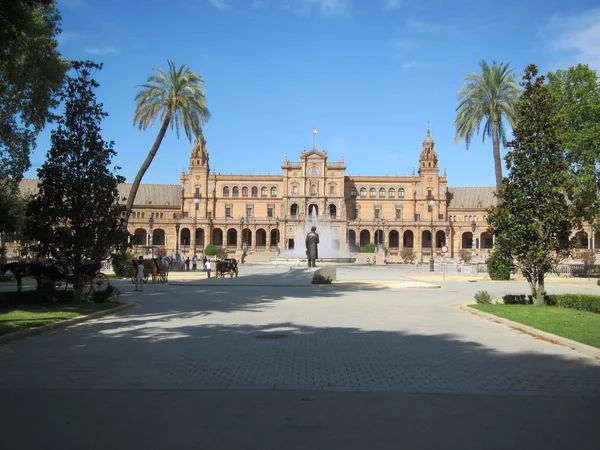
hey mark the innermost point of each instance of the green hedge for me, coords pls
(122, 266)
(583, 302)
(369, 248)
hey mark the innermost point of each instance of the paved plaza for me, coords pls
(269, 345)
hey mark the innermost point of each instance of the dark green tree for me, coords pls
(534, 219)
(577, 92)
(76, 214)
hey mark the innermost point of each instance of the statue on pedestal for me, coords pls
(312, 250)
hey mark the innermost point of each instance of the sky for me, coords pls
(369, 75)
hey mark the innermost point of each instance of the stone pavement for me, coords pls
(348, 365)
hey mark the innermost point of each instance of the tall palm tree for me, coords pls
(490, 97)
(178, 98)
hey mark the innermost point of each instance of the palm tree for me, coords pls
(178, 98)
(491, 96)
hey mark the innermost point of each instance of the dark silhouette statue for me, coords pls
(312, 249)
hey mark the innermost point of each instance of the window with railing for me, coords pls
(236, 192)
(225, 192)
(254, 191)
(263, 192)
(244, 192)
(363, 193)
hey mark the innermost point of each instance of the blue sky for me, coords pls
(368, 74)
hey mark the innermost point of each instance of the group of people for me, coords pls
(194, 262)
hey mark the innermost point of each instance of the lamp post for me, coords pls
(473, 228)
(196, 205)
(151, 225)
(242, 231)
(277, 238)
(431, 260)
(177, 228)
(379, 242)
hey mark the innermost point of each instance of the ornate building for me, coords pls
(261, 213)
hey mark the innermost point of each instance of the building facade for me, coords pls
(262, 213)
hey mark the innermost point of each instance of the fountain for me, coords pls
(328, 253)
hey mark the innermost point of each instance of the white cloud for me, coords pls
(220, 5)
(409, 64)
(66, 36)
(333, 7)
(577, 36)
(101, 50)
(390, 5)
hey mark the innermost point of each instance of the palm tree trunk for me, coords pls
(497, 158)
(138, 178)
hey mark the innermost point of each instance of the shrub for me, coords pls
(408, 255)
(517, 299)
(369, 248)
(499, 266)
(121, 264)
(105, 296)
(320, 279)
(211, 250)
(584, 302)
(484, 298)
(465, 255)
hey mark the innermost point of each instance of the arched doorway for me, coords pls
(332, 211)
(184, 238)
(408, 239)
(139, 236)
(426, 242)
(274, 240)
(200, 239)
(246, 238)
(365, 238)
(440, 239)
(294, 210)
(394, 241)
(217, 237)
(313, 210)
(261, 239)
(352, 241)
(232, 236)
(158, 237)
(466, 240)
(379, 238)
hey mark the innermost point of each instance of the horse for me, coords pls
(22, 269)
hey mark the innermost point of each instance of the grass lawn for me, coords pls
(22, 317)
(580, 326)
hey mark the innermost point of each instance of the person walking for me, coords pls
(204, 259)
(187, 263)
(139, 279)
(208, 267)
(194, 262)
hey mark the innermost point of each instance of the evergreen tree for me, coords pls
(76, 215)
(534, 219)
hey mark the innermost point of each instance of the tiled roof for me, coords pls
(157, 194)
(471, 197)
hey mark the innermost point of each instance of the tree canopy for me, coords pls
(490, 97)
(76, 214)
(534, 220)
(577, 94)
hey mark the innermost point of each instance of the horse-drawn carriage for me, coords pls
(155, 269)
(228, 265)
(59, 275)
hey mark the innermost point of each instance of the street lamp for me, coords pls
(473, 228)
(277, 238)
(431, 260)
(378, 238)
(196, 205)
(151, 225)
(177, 228)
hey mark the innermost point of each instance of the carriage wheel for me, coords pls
(86, 284)
(59, 285)
(100, 282)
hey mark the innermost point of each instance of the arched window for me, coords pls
(363, 193)
(391, 193)
(254, 191)
(295, 189)
(225, 191)
(161, 215)
(263, 191)
(236, 191)
(382, 193)
(353, 193)
(143, 214)
(313, 189)
(332, 190)
(372, 192)
(244, 192)
(273, 192)
(400, 193)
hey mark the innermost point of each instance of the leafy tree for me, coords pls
(533, 222)
(76, 215)
(577, 92)
(500, 265)
(490, 97)
(178, 98)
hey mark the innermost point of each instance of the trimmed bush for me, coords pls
(583, 302)
(484, 298)
(408, 255)
(499, 266)
(517, 299)
(211, 250)
(121, 264)
(369, 248)
(320, 279)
